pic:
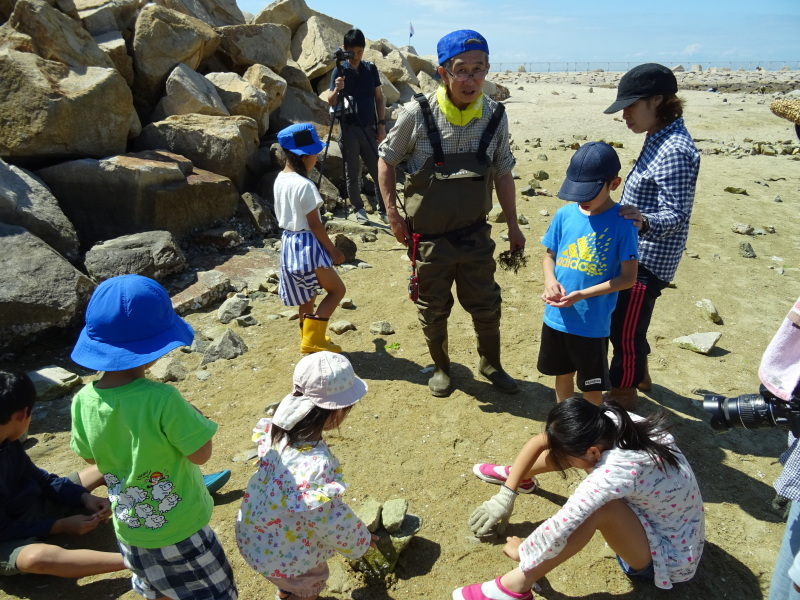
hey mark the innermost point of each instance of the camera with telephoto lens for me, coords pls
(340, 54)
(753, 411)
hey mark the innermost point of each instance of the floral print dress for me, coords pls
(292, 517)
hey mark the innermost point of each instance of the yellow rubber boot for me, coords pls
(314, 336)
(327, 337)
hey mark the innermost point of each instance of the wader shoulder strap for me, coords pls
(488, 133)
(434, 136)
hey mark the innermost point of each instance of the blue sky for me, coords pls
(523, 31)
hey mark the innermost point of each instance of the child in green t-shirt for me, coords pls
(148, 441)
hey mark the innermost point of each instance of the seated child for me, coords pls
(35, 504)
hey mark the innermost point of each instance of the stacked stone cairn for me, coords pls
(395, 528)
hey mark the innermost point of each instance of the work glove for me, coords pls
(494, 512)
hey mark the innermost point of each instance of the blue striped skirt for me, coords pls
(301, 255)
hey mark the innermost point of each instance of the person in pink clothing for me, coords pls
(640, 493)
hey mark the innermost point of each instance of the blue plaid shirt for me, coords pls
(661, 185)
(788, 483)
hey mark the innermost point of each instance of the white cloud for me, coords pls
(692, 49)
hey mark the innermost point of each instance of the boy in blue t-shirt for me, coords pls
(592, 253)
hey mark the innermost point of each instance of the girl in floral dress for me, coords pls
(292, 518)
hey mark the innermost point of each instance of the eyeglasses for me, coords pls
(463, 75)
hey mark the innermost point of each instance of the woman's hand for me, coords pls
(337, 256)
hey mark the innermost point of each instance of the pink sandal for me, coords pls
(490, 590)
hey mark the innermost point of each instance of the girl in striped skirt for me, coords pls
(307, 253)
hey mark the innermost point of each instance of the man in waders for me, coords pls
(456, 147)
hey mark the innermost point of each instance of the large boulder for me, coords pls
(37, 27)
(112, 44)
(243, 46)
(269, 82)
(51, 110)
(242, 98)
(291, 13)
(25, 201)
(395, 66)
(40, 290)
(132, 193)
(314, 43)
(295, 77)
(222, 145)
(102, 16)
(217, 13)
(163, 39)
(421, 64)
(427, 83)
(299, 106)
(189, 92)
(391, 94)
(154, 254)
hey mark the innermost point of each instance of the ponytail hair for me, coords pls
(575, 425)
(295, 162)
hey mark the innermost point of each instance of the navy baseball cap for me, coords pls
(643, 81)
(458, 42)
(589, 169)
(129, 322)
(300, 138)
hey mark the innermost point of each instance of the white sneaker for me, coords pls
(361, 217)
(384, 218)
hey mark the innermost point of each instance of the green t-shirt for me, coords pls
(139, 435)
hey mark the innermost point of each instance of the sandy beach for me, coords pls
(401, 442)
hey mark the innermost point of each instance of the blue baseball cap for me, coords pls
(129, 323)
(300, 139)
(458, 42)
(589, 169)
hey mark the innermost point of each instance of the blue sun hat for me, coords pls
(129, 323)
(458, 42)
(300, 139)
(589, 169)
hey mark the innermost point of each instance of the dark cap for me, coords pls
(458, 42)
(643, 81)
(589, 169)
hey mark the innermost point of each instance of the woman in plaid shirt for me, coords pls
(658, 195)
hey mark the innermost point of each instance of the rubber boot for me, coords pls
(646, 384)
(314, 336)
(627, 398)
(489, 367)
(439, 383)
(300, 322)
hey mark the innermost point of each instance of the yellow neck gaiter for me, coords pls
(452, 112)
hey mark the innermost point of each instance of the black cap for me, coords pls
(589, 169)
(643, 81)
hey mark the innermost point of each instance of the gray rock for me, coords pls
(381, 328)
(269, 82)
(242, 98)
(113, 46)
(346, 245)
(211, 286)
(340, 326)
(53, 382)
(229, 346)
(368, 237)
(394, 512)
(189, 92)
(347, 303)
(203, 376)
(233, 307)
(370, 513)
(291, 13)
(255, 208)
(528, 190)
(702, 343)
(496, 215)
(214, 12)
(169, 368)
(778, 199)
(544, 212)
(746, 250)
(153, 254)
(312, 43)
(245, 455)
(299, 106)
(246, 321)
(27, 202)
(709, 310)
(364, 265)
(742, 228)
(41, 291)
(255, 44)
(736, 190)
(522, 219)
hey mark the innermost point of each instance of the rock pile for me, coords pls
(134, 130)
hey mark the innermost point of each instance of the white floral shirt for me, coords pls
(667, 502)
(292, 517)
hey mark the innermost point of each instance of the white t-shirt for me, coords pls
(295, 197)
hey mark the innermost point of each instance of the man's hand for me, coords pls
(338, 84)
(97, 506)
(515, 238)
(511, 549)
(495, 512)
(630, 212)
(398, 225)
(76, 525)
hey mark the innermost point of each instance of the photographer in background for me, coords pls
(780, 374)
(362, 124)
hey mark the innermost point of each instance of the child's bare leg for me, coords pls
(565, 386)
(307, 308)
(595, 398)
(334, 287)
(48, 559)
(619, 526)
(91, 478)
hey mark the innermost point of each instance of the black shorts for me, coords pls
(561, 353)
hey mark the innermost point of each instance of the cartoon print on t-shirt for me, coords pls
(143, 506)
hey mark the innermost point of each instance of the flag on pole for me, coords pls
(410, 29)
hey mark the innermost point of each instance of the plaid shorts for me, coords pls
(193, 569)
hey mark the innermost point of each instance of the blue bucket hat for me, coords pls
(129, 323)
(458, 42)
(589, 169)
(300, 139)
